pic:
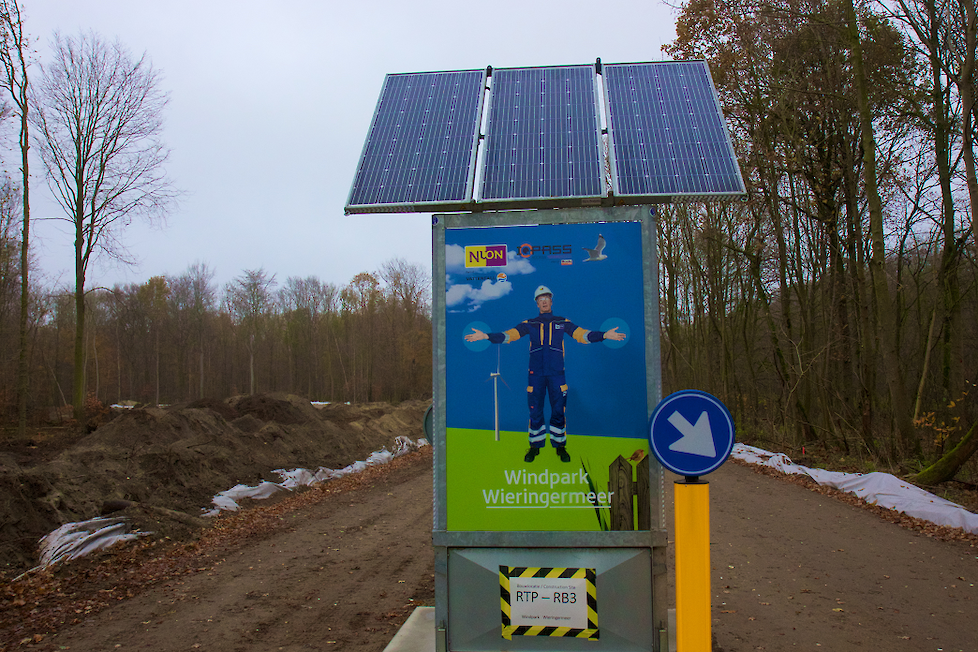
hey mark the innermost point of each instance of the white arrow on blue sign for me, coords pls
(691, 433)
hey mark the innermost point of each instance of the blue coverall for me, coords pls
(546, 332)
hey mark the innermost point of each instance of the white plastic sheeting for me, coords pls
(292, 478)
(228, 499)
(73, 540)
(880, 489)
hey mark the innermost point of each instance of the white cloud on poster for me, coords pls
(454, 258)
(467, 296)
(516, 264)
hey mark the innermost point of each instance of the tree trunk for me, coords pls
(945, 468)
(965, 83)
(98, 376)
(118, 361)
(78, 388)
(157, 366)
(948, 270)
(251, 364)
(23, 377)
(201, 395)
(900, 404)
(926, 366)
(18, 87)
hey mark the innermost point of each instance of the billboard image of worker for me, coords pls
(546, 333)
(546, 372)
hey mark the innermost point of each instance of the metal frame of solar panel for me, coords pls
(667, 135)
(543, 141)
(421, 149)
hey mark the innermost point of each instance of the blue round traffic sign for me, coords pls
(691, 432)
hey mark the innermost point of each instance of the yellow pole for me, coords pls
(692, 512)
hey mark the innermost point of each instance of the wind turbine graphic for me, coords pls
(496, 376)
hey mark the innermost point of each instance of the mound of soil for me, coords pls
(163, 465)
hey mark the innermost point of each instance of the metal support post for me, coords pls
(693, 625)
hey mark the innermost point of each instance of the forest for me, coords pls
(182, 338)
(836, 308)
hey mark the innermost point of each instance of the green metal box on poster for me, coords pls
(549, 524)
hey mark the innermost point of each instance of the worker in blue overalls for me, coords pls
(546, 332)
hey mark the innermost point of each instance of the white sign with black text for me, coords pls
(548, 602)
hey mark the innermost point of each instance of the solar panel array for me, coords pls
(421, 148)
(667, 133)
(543, 138)
(667, 139)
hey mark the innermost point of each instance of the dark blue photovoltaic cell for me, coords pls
(667, 132)
(421, 144)
(543, 135)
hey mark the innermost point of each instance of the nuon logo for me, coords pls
(485, 256)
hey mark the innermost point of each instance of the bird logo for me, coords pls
(596, 253)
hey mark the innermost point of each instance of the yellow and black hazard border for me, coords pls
(510, 630)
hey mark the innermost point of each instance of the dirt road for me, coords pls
(342, 574)
(793, 569)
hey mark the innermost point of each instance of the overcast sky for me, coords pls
(270, 104)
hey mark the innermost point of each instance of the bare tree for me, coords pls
(360, 300)
(306, 303)
(202, 301)
(900, 402)
(15, 82)
(250, 299)
(99, 112)
(939, 39)
(9, 274)
(153, 296)
(406, 303)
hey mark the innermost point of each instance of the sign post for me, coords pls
(528, 552)
(691, 433)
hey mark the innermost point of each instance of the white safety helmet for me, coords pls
(542, 290)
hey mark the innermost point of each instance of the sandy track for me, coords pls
(792, 569)
(344, 576)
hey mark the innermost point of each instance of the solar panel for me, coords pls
(421, 148)
(667, 134)
(543, 135)
(667, 140)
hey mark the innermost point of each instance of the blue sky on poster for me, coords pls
(604, 377)
(270, 105)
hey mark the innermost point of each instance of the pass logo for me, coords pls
(527, 250)
(485, 256)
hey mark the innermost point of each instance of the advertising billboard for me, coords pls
(546, 379)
